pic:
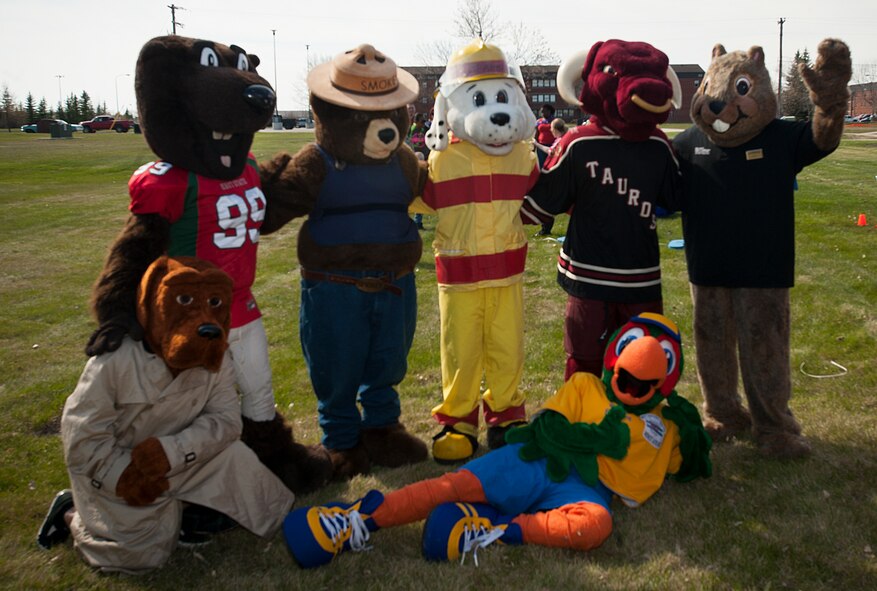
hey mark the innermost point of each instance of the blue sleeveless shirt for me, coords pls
(362, 204)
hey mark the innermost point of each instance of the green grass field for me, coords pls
(756, 524)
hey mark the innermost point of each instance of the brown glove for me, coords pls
(144, 479)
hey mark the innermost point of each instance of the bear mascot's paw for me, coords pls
(393, 446)
(302, 468)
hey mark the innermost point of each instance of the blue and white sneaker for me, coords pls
(454, 530)
(315, 535)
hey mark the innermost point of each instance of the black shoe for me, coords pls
(190, 539)
(496, 435)
(54, 529)
(198, 519)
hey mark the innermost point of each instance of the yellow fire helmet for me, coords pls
(477, 61)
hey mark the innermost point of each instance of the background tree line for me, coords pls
(73, 110)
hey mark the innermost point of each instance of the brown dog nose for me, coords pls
(209, 331)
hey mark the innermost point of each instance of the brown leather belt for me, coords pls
(364, 284)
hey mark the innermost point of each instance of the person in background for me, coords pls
(558, 130)
(544, 138)
(416, 139)
(543, 135)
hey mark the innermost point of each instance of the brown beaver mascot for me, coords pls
(738, 168)
(200, 104)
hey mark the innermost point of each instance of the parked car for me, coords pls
(107, 122)
(45, 126)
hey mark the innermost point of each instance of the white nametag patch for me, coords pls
(699, 151)
(653, 429)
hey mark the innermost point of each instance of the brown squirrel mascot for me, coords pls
(154, 426)
(738, 167)
(200, 103)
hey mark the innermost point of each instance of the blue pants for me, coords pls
(356, 348)
(514, 486)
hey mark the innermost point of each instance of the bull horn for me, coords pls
(568, 74)
(677, 87)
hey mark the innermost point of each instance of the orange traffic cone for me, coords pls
(862, 221)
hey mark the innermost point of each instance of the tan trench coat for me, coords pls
(127, 396)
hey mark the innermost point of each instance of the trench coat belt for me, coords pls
(364, 284)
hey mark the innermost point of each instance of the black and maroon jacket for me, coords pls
(610, 187)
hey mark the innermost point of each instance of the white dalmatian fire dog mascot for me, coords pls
(480, 168)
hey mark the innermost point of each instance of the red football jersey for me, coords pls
(212, 219)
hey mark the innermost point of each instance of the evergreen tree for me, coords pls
(796, 99)
(30, 109)
(42, 109)
(8, 107)
(71, 109)
(86, 110)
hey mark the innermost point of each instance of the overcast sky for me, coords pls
(52, 48)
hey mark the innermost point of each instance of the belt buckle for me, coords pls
(370, 284)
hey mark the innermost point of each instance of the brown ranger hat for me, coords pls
(363, 79)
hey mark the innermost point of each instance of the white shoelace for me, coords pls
(478, 537)
(337, 524)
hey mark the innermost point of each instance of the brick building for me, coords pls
(863, 99)
(542, 89)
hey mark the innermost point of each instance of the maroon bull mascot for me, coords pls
(610, 175)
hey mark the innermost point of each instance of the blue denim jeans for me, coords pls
(356, 348)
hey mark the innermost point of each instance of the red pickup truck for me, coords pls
(106, 122)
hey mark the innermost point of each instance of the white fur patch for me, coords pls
(493, 114)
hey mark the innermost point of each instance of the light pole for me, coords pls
(60, 98)
(278, 123)
(780, 22)
(117, 90)
(308, 71)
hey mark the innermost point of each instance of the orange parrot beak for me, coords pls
(639, 371)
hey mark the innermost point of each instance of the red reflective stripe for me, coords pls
(472, 269)
(513, 413)
(478, 189)
(470, 419)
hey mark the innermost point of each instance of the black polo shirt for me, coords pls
(738, 214)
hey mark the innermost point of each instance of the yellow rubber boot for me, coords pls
(451, 446)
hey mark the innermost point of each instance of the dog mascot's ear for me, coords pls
(437, 136)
